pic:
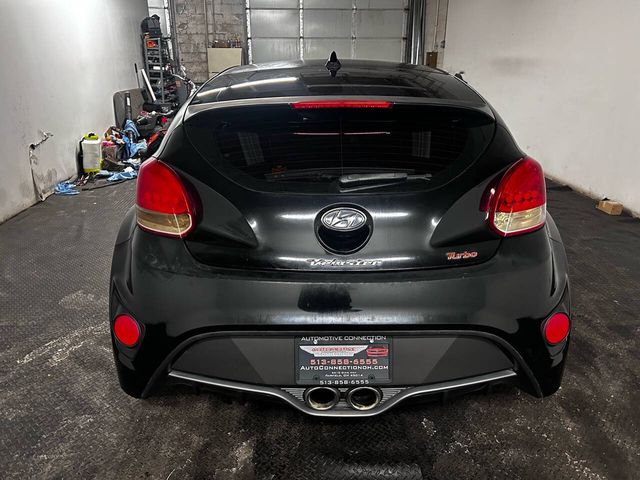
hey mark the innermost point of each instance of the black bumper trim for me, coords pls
(393, 397)
(520, 365)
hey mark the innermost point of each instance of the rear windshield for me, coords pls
(281, 148)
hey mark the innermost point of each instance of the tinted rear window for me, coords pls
(296, 150)
(391, 81)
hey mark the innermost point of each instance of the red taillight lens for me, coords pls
(126, 330)
(163, 203)
(519, 203)
(343, 104)
(557, 328)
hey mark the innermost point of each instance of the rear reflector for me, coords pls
(343, 104)
(557, 328)
(163, 203)
(126, 330)
(518, 204)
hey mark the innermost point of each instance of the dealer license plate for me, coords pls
(343, 360)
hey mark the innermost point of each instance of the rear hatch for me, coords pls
(310, 186)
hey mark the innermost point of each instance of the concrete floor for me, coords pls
(63, 414)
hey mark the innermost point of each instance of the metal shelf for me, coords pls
(156, 57)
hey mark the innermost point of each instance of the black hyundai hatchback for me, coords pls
(341, 237)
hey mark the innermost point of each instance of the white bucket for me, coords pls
(91, 155)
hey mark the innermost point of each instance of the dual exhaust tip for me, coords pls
(358, 398)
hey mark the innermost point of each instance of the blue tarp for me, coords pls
(131, 146)
(127, 174)
(66, 188)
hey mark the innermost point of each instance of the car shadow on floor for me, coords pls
(275, 440)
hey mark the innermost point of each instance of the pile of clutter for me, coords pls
(116, 156)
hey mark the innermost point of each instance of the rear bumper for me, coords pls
(180, 303)
(423, 363)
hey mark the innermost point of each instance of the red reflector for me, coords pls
(164, 205)
(557, 328)
(343, 104)
(518, 204)
(126, 330)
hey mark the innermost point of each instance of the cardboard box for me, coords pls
(610, 207)
(220, 59)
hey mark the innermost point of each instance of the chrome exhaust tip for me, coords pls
(364, 398)
(321, 398)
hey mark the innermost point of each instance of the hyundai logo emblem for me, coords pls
(343, 219)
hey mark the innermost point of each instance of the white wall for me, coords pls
(62, 60)
(565, 76)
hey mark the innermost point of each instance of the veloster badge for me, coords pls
(340, 262)
(343, 219)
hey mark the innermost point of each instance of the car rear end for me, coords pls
(341, 245)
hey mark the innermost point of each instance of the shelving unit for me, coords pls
(157, 65)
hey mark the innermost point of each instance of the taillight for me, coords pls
(342, 104)
(519, 203)
(556, 328)
(163, 203)
(126, 330)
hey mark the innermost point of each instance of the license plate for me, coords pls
(343, 360)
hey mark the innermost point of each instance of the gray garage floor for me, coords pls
(63, 414)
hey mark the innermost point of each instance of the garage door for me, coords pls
(299, 29)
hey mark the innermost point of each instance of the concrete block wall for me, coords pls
(226, 15)
(230, 20)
